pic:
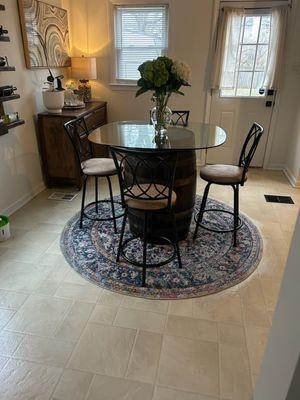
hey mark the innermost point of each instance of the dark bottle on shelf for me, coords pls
(3, 31)
(7, 90)
(4, 62)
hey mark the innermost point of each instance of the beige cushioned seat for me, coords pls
(98, 167)
(141, 204)
(221, 173)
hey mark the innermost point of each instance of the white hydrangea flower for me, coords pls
(182, 70)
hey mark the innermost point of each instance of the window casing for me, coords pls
(140, 34)
(246, 56)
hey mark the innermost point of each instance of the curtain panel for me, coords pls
(228, 42)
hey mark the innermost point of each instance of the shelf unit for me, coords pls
(16, 123)
(7, 69)
(3, 99)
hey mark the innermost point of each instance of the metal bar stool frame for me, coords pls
(246, 156)
(77, 132)
(127, 160)
(179, 117)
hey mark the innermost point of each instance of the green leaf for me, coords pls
(160, 73)
(146, 70)
(178, 92)
(167, 61)
(141, 91)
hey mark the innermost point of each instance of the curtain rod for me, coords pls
(259, 8)
(281, 3)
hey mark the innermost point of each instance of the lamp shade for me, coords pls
(84, 68)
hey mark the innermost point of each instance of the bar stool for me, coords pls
(229, 175)
(150, 196)
(91, 167)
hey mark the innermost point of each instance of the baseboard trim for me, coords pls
(275, 167)
(291, 177)
(23, 200)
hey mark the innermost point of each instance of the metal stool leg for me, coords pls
(112, 203)
(202, 209)
(176, 241)
(122, 235)
(82, 201)
(145, 249)
(96, 193)
(236, 213)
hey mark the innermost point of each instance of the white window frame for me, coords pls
(128, 84)
(252, 12)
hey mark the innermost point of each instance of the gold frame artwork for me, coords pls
(45, 34)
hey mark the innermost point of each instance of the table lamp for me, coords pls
(84, 69)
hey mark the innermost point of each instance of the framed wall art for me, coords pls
(45, 34)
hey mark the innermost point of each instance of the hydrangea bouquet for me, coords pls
(163, 76)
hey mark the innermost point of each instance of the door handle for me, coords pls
(269, 103)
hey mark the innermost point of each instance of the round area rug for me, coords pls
(210, 263)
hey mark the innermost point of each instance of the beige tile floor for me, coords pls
(62, 338)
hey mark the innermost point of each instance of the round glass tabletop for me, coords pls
(141, 135)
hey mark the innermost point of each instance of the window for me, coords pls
(247, 50)
(141, 34)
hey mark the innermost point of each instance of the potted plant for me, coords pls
(163, 76)
(54, 98)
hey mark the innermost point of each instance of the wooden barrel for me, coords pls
(185, 188)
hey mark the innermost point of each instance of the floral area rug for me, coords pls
(210, 263)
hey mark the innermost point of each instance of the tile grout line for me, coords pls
(131, 353)
(219, 358)
(247, 346)
(70, 356)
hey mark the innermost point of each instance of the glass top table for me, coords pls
(141, 135)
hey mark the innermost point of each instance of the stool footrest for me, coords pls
(240, 224)
(102, 219)
(141, 265)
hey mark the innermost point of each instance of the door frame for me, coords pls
(208, 102)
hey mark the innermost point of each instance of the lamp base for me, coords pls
(85, 90)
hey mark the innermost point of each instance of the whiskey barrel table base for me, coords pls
(185, 189)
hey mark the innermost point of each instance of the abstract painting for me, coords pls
(45, 34)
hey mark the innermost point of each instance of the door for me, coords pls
(241, 101)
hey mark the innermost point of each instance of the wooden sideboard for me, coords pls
(59, 164)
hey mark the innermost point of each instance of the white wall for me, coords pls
(20, 172)
(286, 143)
(292, 168)
(189, 39)
(283, 348)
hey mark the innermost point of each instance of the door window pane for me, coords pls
(264, 34)
(244, 83)
(251, 29)
(261, 57)
(256, 83)
(246, 56)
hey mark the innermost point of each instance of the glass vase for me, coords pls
(161, 115)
